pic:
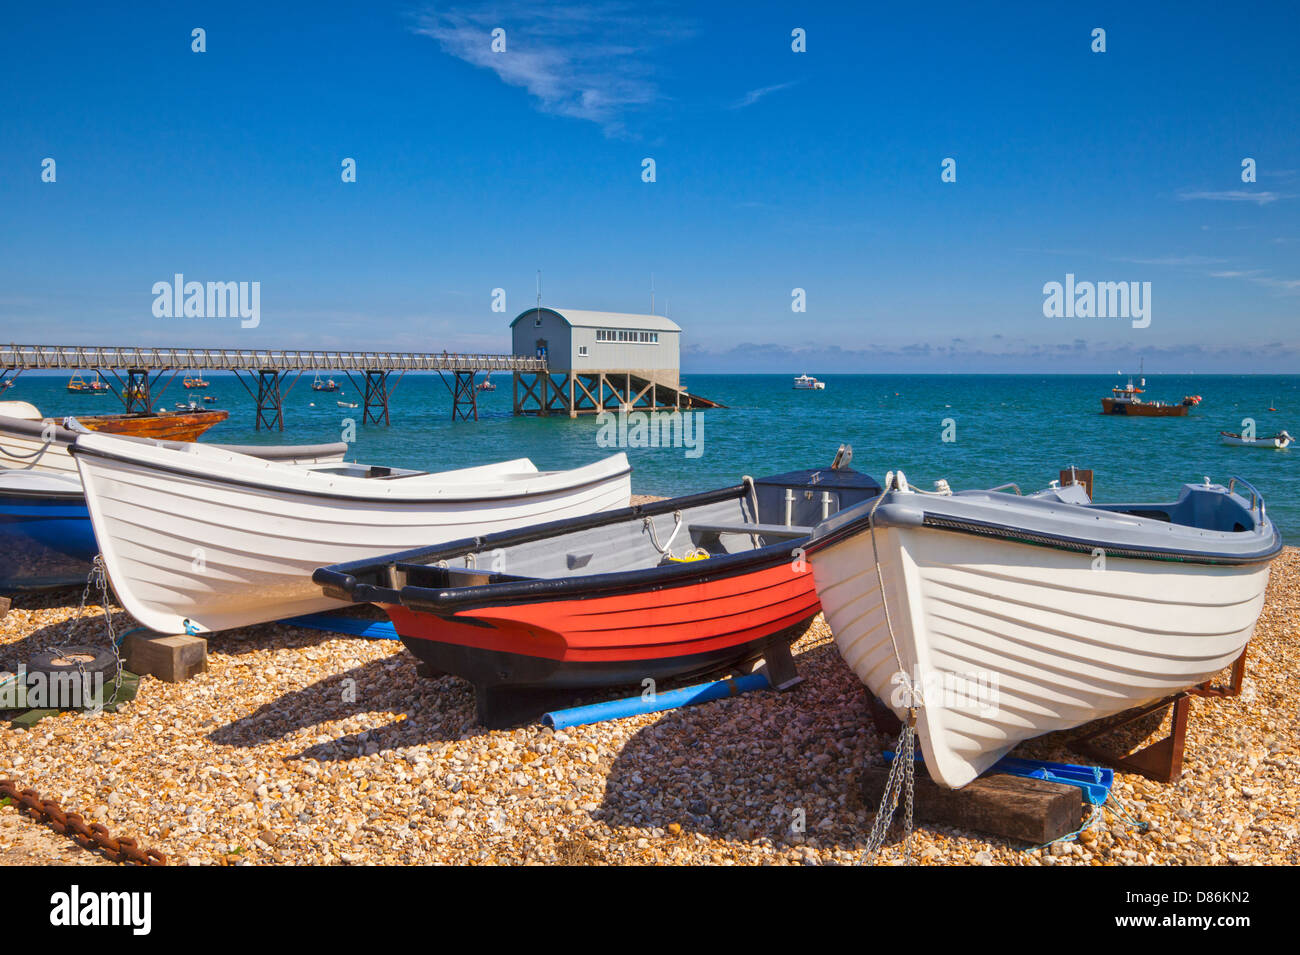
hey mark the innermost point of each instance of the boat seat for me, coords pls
(764, 530)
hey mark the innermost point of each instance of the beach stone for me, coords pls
(258, 761)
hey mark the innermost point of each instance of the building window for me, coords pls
(582, 351)
(627, 335)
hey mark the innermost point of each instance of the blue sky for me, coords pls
(775, 170)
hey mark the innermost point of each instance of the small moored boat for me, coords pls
(207, 539)
(29, 439)
(1007, 617)
(652, 592)
(179, 425)
(78, 384)
(1276, 442)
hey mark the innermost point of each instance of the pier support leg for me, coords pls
(464, 400)
(530, 393)
(270, 404)
(137, 396)
(376, 405)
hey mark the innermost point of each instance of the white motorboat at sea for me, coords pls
(198, 538)
(808, 383)
(1275, 442)
(1003, 617)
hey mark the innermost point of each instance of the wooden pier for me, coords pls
(134, 374)
(544, 393)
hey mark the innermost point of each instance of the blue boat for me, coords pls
(46, 539)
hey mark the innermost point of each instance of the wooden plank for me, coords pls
(1030, 810)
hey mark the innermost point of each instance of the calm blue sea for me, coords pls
(1007, 428)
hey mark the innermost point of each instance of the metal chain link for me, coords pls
(899, 782)
(93, 836)
(903, 775)
(97, 579)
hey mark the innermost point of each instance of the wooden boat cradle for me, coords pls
(1163, 759)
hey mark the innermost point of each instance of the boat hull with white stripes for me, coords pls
(1014, 617)
(204, 540)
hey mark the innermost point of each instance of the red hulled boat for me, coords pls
(660, 591)
(1128, 401)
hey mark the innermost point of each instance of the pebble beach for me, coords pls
(304, 747)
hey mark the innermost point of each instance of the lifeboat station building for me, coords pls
(599, 361)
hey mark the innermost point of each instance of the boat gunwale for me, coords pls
(1015, 534)
(77, 451)
(341, 580)
(530, 590)
(9, 494)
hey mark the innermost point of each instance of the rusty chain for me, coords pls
(89, 836)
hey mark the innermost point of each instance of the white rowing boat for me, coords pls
(1010, 617)
(1275, 442)
(204, 539)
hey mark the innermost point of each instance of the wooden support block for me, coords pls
(1031, 810)
(5, 604)
(173, 658)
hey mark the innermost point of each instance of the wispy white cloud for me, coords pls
(1259, 277)
(1262, 197)
(586, 61)
(1176, 260)
(753, 96)
(1286, 285)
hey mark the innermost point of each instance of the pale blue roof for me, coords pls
(578, 318)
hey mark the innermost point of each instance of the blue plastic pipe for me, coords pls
(636, 705)
(351, 626)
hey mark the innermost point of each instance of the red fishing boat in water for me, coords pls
(677, 588)
(1128, 401)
